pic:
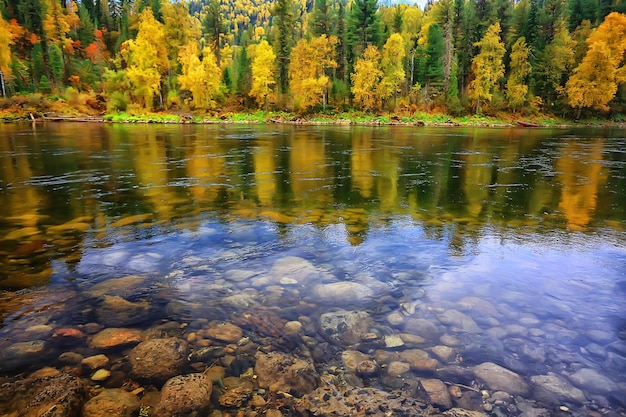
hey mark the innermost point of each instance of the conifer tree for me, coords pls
(284, 21)
(363, 28)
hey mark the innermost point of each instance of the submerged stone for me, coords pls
(117, 312)
(185, 395)
(593, 381)
(158, 360)
(346, 327)
(345, 292)
(553, 389)
(436, 392)
(280, 372)
(62, 394)
(501, 379)
(21, 354)
(114, 337)
(112, 403)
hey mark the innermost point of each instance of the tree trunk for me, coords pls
(4, 93)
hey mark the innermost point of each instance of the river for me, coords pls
(463, 253)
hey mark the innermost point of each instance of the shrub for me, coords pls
(117, 102)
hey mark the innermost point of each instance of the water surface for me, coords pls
(511, 241)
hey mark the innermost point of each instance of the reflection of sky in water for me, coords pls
(564, 276)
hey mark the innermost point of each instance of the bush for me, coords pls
(117, 102)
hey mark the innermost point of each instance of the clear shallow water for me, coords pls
(510, 242)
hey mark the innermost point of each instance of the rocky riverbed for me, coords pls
(290, 338)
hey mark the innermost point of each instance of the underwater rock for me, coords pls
(185, 395)
(112, 403)
(293, 268)
(422, 328)
(21, 354)
(121, 287)
(114, 337)
(277, 371)
(95, 362)
(352, 358)
(436, 392)
(346, 327)
(158, 360)
(336, 398)
(115, 311)
(501, 379)
(36, 398)
(239, 275)
(68, 336)
(459, 322)
(397, 368)
(224, 332)
(593, 381)
(345, 292)
(553, 389)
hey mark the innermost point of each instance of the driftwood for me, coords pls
(53, 117)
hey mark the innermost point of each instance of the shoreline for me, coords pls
(390, 119)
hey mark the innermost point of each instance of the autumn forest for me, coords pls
(525, 57)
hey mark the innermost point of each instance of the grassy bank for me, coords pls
(36, 108)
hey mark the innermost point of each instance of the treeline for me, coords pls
(457, 56)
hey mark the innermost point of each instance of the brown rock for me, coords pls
(501, 379)
(116, 312)
(225, 332)
(158, 359)
(68, 336)
(21, 354)
(95, 362)
(113, 337)
(436, 392)
(184, 395)
(122, 287)
(112, 403)
(346, 327)
(35, 398)
(280, 372)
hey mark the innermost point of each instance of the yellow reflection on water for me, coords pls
(580, 179)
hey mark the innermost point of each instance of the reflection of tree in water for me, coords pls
(454, 182)
(580, 177)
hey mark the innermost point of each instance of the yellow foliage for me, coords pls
(595, 81)
(392, 66)
(516, 88)
(55, 23)
(487, 66)
(262, 67)
(309, 60)
(366, 77)
(200, 77)
(6, 40)
(147, 58)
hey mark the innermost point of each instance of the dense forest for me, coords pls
(562, 57)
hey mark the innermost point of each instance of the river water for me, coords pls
(471, 246)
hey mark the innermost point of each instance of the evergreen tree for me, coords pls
(56, 64)
(363, 28)
(242, 66)
(284, 22)
(86, 30)
(215, 27)
(322, 21)
(342, 54)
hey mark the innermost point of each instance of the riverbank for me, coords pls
(39, 109)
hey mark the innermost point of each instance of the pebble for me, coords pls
(393, 341)
(95, 362)
(101, 375)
